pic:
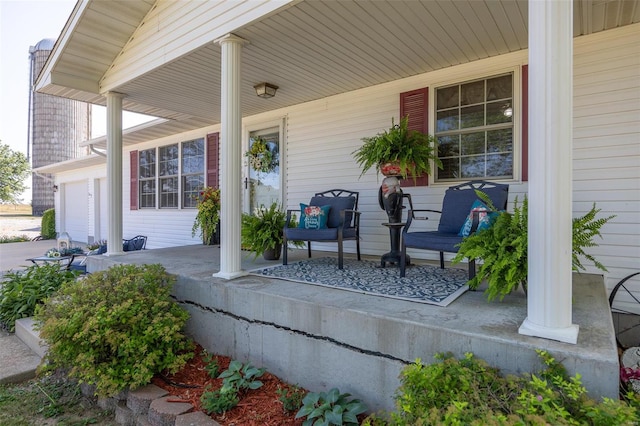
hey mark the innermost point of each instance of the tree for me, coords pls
(14, 169)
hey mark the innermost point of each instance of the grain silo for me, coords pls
(56, 127)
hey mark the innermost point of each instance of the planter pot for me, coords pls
(272, 254)
(390, 169)
(214, 238)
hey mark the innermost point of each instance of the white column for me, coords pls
(114, 173)
(549, 308)
(230, 155)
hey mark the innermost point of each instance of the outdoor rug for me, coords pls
(422, 283)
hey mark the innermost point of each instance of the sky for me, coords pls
(23, 23)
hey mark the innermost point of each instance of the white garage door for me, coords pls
(76, 211)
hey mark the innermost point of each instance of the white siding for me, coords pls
(606, 144)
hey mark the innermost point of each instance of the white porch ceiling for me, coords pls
(311, 50)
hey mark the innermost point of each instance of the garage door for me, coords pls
(76, 211)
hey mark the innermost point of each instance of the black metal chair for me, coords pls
(139, 242)
(456, 207)
(343, 223)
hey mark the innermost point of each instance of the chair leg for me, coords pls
(403, 260)
(358, 246)
(284, 251)
(441, 260)
(472, 268)
(309, 248)
(340, 256)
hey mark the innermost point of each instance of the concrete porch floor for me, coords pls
(321, 338)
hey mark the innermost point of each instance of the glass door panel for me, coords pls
(264, 168)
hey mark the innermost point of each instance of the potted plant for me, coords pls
(502, 247)
(208, 218)
(398, 151)
(262, 232)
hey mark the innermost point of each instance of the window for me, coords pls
(174, 174)
(147, 179)
(192, 167)
(168, 166)
(474, 129)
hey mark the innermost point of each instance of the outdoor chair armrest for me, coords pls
(412, 215)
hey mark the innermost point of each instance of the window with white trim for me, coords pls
(147, 178)
(474, 129)
(172, 174)
(192, 171)
(168, 166)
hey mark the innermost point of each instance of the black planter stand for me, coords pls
(392, 204)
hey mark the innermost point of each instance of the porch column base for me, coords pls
(230, 275)
(565, 334)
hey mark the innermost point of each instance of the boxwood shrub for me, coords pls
(48, 224)
(117, 328)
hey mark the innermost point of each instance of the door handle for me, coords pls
(246, 183)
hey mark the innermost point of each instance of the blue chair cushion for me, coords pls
(337, 205)
(313, 217)
(326, 234)
(432, 240)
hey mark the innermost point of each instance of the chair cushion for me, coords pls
(313, 217)
(326, 234)
(433, 240)
(337, 205)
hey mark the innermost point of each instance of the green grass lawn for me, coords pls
(50, 400)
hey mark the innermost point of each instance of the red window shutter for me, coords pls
(415, 104)
(525, 123)
(213, 160)
(133, 191)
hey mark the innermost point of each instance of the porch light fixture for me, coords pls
(265, 90)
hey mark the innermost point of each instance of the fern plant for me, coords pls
(503, 248)
(585, 229)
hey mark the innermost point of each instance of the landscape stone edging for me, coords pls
(148, 405)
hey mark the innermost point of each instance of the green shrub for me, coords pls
(48, 227)
(21, 291)
(330, 408)
(469, 392)
(116, 328)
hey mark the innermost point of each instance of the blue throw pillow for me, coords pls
(485, 218)
(313, 217)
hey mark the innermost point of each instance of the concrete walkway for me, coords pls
(13, 255)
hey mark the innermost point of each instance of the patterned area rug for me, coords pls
(422, 283)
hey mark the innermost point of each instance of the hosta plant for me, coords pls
(330, 408)
(22, 291)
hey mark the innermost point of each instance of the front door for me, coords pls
(263, 159)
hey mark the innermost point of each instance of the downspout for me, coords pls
(95, 151)
(29, 135)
